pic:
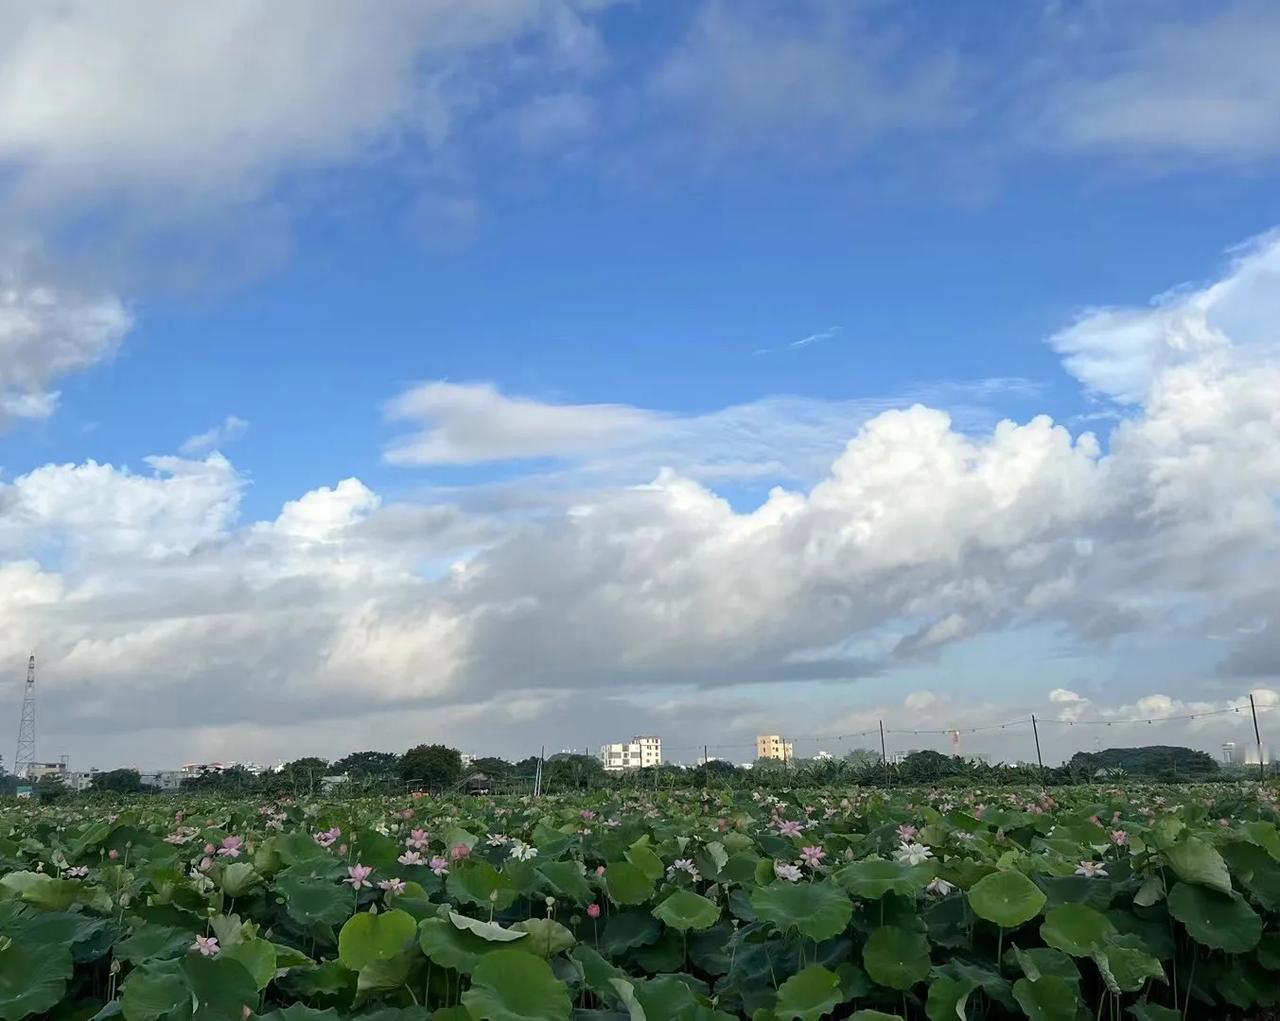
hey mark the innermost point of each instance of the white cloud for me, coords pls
(918, 539)
(1172, 85)
(469, 423)
(231, 428)
(49, 329)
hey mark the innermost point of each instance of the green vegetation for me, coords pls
(773, 904)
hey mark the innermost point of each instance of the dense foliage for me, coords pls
(1147, 902)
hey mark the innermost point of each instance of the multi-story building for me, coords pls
(163, 779)
(772, 746)
(637, 753)
(38, 770)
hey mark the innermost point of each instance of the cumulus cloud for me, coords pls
(920, 537)
(49, 329)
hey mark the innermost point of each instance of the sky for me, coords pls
(538, 373)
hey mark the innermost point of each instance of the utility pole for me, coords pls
(1036, 730)
(26, 756)
(1257, 736)
(884, 756)
(706, 767)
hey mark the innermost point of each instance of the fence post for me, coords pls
(1262, 769)
(884, 757)
(1040, 761)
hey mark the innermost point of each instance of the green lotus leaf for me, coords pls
(299, 1012)
(33, 977)
(239, 878)
(154, 989)
(315, 904)
(873, 1015)
(485, 930)
(565, 879)
(1049, 998)
(510, 985)
(872, 878)
(1265, 835)
(641, 855)
(1154, 1012)
(818, 910)
(1195, 861)
(547, 937)
(368, 937)
(685, 910)
(1006, 898)
(1076, 929)
(44, 891)
(808, 994)
(1214, 919)
(597, 973)
(385, 973)
(451, 947)
(221, 988)
(896, 957)
(150, 941)
(626, 930)
(627, 884)
(948, 998)
(258, 956)
(478, 882)
(1126, 964)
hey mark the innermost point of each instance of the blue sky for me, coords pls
(577, 243)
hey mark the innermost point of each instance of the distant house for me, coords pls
(477, 783)
(329, 783)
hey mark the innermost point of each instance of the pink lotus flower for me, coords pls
(417, 840)
(440, 866)
(78, 871)
(230, 847)
(206, 863)
(113, 854)
(410, 858)
(1119, 838)
(407, 814)
(790, 828)
(392, 885)
(812, 856)
(207, 946)
(593, 911)
(599, 870)
(209, 849)
(326, 838)
(358, 876)
(907, 832)
(459, 852)
(784, 870)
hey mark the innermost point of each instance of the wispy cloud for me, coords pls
(231, 428)
(819, 337)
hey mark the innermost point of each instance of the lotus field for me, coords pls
(1147, 903)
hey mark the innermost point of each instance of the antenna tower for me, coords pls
(26, 756)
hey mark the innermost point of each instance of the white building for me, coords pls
(637, 753)
(163, 780)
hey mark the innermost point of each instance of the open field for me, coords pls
(1146, 902)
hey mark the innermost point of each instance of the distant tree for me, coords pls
(927, 766)
(362, 764)
(1162, 762)
(526, 767)
(117, 781)
(862, 758)
(719, 769)
(570, 769)
(433, 765)
(492, 766)
(50, 788)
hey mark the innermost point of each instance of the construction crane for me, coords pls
(26, 755)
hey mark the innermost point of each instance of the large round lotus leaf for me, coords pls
(33, 977)
(1077, 929)
(1006, 898)
(1215, 920)
(817, 910)
(641, 855)
(44, 891)
(221, 988)
(896, 957)
(1195, 861)
(151, 990)
(1126, 964)
(239, 878)
(257, 956)
(874, 1015)
(314, 903)
(478, 882)
(547, 937)
(628, 929)
(368, 937)
(597, 973)
(565, 879)
(872, 878)
(1049, 998)
(808, 994)
(485, 930)
(451, 947)
(685, 910)
(948, 998)
(510, 985)
(627, 884)
(154, 941)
